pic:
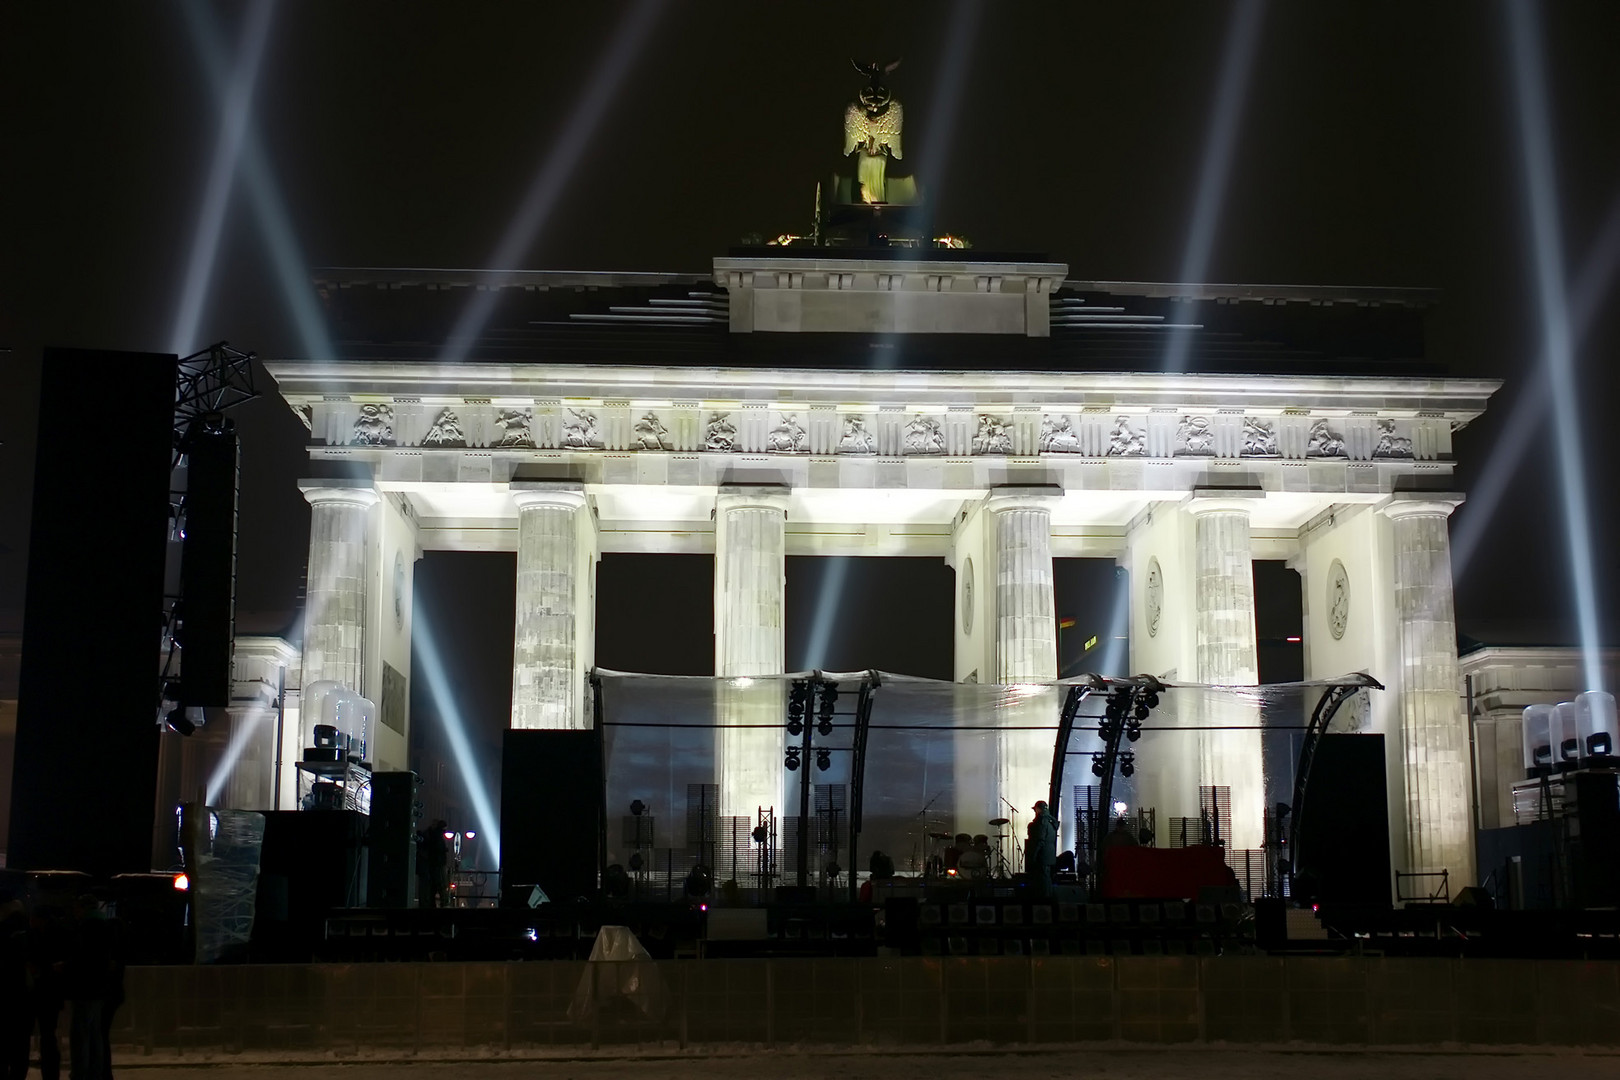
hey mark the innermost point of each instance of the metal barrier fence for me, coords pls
(504, 1007)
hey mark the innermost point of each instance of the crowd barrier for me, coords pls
(913, 1001)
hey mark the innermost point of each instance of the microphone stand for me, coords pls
(1018, 859)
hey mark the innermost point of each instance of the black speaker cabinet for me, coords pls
(208, 563)
(85, 771)
(551, 813)
(391, 841)
(1343, 855)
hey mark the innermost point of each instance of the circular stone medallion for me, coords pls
(1338, 599)
(1155, 597)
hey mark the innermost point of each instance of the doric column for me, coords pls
(1227, 654)
(1026, 629)
(1025, 650)
(750, 584)
(547, 680)
(335, 594)
(1434, 729)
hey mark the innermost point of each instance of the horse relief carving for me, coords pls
(374, 426)
(923, 436)
(515, 427)
(788, 437)
(651, 434)
(992, 436)
(720, 434)
(445, 431)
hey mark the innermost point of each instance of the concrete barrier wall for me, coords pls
(342, 1008)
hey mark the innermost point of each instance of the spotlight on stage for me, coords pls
(179, 722)
(1237, 60)
(236, 108)
(556, 169)
(430, 668)
(1527, 57)
(269, 207)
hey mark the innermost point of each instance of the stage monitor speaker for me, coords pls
(551, 813)
(1344, 830)
(208, 562)
(85, 767)
(391, 841)
(313, 862)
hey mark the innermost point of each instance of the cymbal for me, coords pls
(939, 836)
(998, 821)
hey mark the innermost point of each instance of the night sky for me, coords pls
(1377, 147)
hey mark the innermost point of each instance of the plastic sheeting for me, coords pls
(706, 758)
(621, 976)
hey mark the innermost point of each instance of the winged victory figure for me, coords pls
(872, 126)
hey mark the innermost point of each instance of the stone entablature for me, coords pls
(892, 296)
(826, 414)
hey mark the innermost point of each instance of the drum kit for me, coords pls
(975, 858)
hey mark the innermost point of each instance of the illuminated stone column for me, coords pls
(1227, 652)
(1026, 629)
(1434, 727)
(547, 676)
(750, 584)
(340, 513)
(1020, 532)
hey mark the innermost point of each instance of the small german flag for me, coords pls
(1066, 623)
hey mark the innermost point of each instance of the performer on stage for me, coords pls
(1040, 849)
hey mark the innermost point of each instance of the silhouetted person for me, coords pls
(47, 976)
(1040, 849)
(432, 867)
(95, 986)
(16, 1010)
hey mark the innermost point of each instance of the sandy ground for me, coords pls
(1211, 1063)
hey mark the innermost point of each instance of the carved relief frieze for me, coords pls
(856, 439)
(788, 436)
(924, 436)
(992, 436)
(1259, 438)
(374, 426)
(517, 427)
(1058, 435)
(580, 430)
(1195, 437)
(1390, 443)
(651, 434)
(445, 431)
(1127, 440)
(306, 413)
(720, 434)
(1324, 441)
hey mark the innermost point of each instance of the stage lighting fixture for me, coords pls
(699, 881)
(449, 836)
(792, 761)
(1127, 764)
(833, 869)
(470, 834)
(636, 862)
(637, 808)
(181, 883)
(1119, 809)
(760, 834)
(179, 722)
(823, 759)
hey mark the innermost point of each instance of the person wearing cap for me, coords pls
(1040, 849)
